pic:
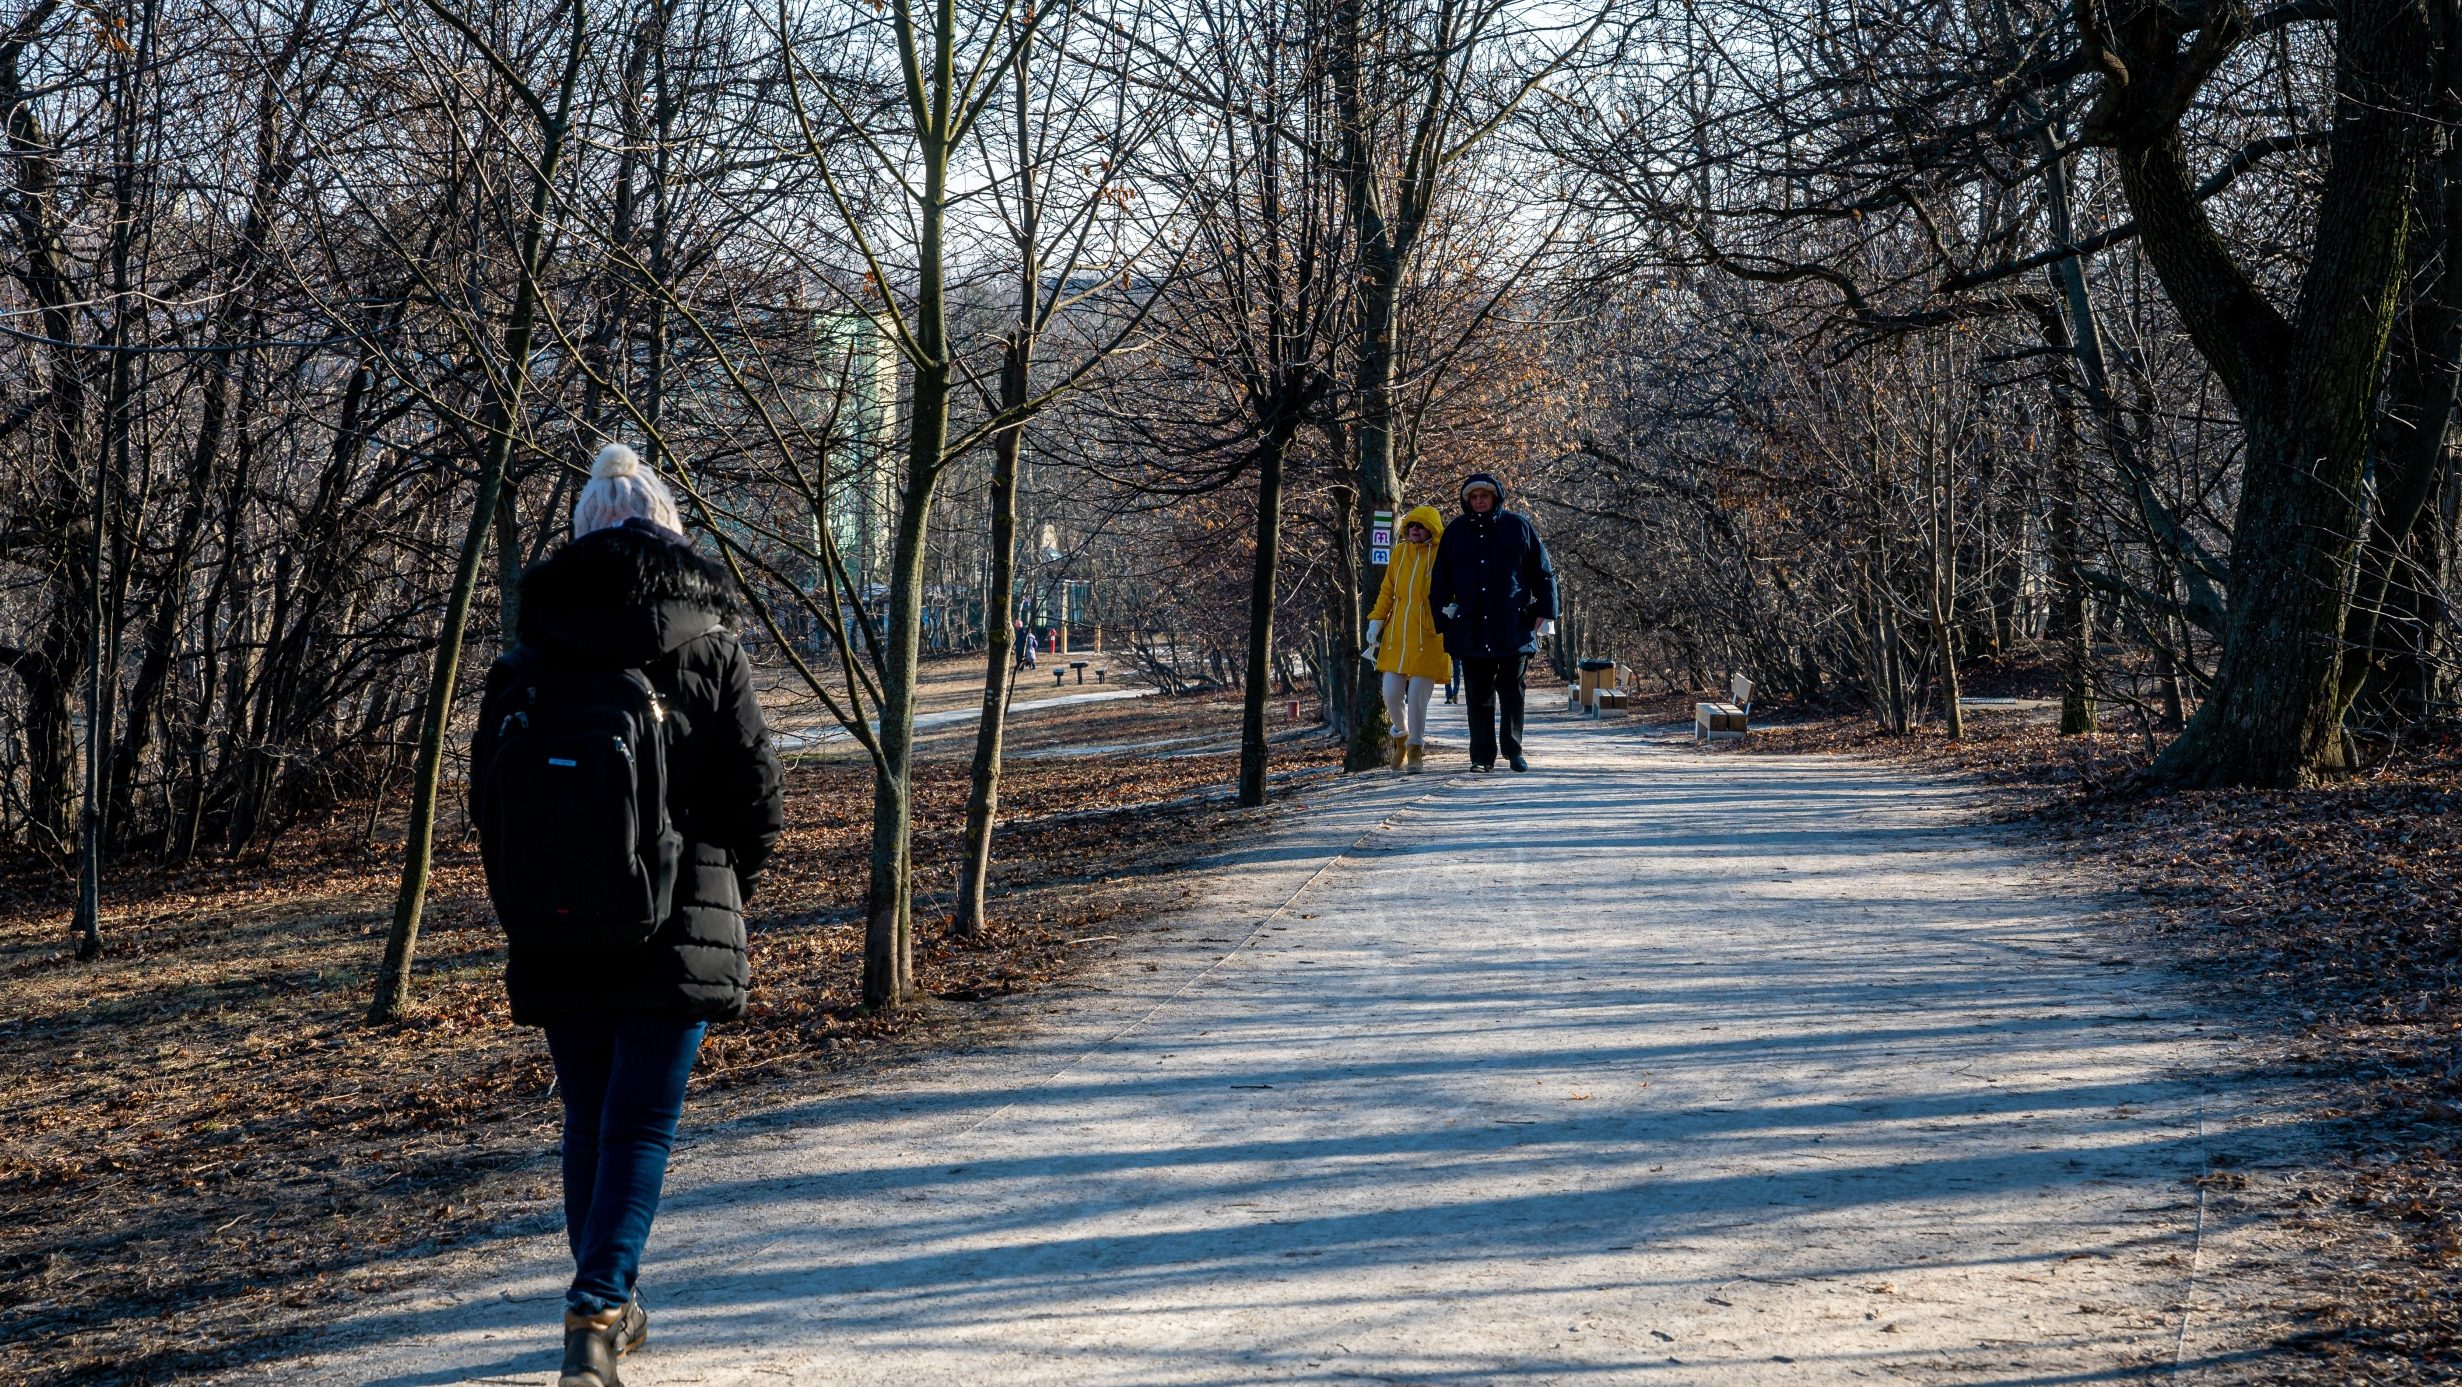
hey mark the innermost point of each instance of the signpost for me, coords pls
(1380, 537)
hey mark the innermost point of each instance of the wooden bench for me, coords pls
(1712, 721)
(1600, 680)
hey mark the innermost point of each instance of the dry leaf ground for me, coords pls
(2329, 920)
(207, 1151)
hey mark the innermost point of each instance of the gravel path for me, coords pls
(1649, 1066)
(810, 732)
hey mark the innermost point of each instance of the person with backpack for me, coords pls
(626, 796)
(1493, 595)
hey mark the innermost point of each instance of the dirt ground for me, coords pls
(208, 1149)
(1647, 1066)
(208, 1152)
(2330, 921)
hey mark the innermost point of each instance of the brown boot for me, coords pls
(590, 1349)
(1413, 760)
(1393, 751)
(632, 1326)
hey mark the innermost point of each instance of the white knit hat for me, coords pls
(621, 489)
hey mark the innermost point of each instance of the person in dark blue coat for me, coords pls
(1493, 596)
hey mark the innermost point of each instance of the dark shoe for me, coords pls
(590, 1357)
(1483, 766)
(1518, 764)
(632, 1326)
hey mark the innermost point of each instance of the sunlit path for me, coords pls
(1645, 1067)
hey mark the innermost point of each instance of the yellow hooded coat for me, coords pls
(1409, 643)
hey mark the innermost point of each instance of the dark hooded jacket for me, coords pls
(638, 597)
(1492, 571)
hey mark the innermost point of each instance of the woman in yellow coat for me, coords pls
(1402, 636)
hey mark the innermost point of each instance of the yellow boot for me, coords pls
(1412, 758)
(1393, 751)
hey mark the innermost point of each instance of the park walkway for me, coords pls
(1649, 1066)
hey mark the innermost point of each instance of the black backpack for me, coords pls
(579, 848)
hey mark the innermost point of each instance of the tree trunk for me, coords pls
(1340, 700)
(393, 976)
(1944, 584)
(102, 666)
(999, 651)
(2385, 668)
(1379, 295)
(86, 924)
(508, 562)
(1382, 257)
(51, 673)
(1261, 612)
(2304, 389)
(1900, 719)
(2071, 616)
(1945, 643)
(888, 946)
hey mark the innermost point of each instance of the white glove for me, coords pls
(1547, 626)
(1368, 651)
(1452, 611)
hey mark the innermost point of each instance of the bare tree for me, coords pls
(549, 108)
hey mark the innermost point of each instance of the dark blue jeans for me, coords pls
(623, 1084)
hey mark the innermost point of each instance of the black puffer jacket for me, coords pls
(638, 597)
(1493, 571)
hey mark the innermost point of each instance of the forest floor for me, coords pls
(2245, 1171)
(207, 1150)
(2328, 923)
(1651, 1065)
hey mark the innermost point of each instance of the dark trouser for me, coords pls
(1495, 689)
(623, 1084)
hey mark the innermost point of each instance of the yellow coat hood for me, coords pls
(1422, 515)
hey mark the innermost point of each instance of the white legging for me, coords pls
(1406, 705)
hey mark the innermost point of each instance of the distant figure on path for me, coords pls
(1494, 595)
(1025, 645)
(626, 796)
(1402, 638)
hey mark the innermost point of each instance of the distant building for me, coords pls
(857, 393)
